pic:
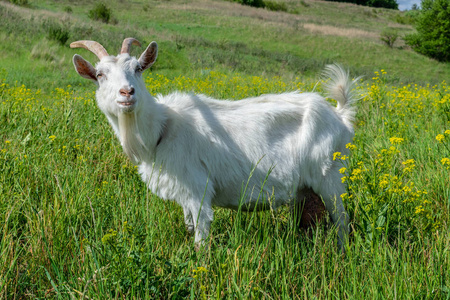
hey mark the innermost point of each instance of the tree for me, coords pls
(373, 3)
(383, 3)
(433, 30)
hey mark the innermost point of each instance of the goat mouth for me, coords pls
(127, 104)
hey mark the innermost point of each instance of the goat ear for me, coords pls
(84, 68)
(148, 57)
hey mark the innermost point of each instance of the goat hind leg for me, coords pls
(309, 208)
(331, 191)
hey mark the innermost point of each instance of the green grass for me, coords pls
(76, 220)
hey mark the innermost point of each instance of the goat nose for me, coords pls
(126, 92)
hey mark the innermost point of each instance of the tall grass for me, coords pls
(76, 221)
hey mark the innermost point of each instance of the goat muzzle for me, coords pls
(126, 92)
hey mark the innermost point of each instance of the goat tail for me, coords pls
(341, 88)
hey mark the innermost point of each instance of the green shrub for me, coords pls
(433, 30)
(305, 4)
(254, 3)
(100, 13)
(56, 32)
(20, 2)
(275, 6)
(373, 3)
(270, 5)
(383, 3)
(389, 36)
(68, 9)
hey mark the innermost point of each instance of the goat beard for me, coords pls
(130, 138)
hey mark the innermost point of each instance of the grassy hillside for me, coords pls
(76, 222)
(221, 35)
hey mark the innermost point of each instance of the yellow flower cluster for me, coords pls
(384, 158)
(198, 271)
(409, 165)
(444, 140)
(338, 155)
(446, 162)
(443, 137)
(396, 140)
(110, 237)
(351, 147)
(223, 86)
(384, 177)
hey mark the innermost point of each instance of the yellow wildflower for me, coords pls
(409, 165)
(336, 155)
(440, 138)
(419, 209)
(396, 140)
(446, 162)
(350, 146)
(199, 271)
(384, 183)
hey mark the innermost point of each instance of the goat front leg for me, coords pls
(198, 218)
(188, 221)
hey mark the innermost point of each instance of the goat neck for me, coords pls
(140, 131)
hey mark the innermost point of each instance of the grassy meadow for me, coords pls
(76, 222)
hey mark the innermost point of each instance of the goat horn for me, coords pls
(126, 45)
(92, 46)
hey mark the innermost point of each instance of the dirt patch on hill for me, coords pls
(339, 31)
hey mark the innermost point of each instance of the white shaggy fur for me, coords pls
(202, 152)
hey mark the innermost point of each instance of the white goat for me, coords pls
(202, 152)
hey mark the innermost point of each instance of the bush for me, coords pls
(275, 6)
(20, 2)
(68, 9)
(389, 36)
(57, 32)
(100, 13)
(270, 5)
(383, 3)
(254, 3)
(433, 30)
(373, 3)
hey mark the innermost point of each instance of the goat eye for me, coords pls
(99, 75)
(138, 69)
